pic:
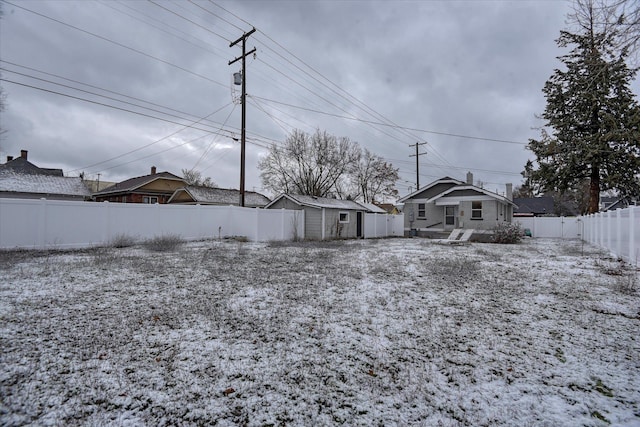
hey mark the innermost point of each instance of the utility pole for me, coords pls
(243, 101)
(417, 155)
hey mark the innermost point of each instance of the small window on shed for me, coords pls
(344, 217)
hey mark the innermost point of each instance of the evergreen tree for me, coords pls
(594, 121)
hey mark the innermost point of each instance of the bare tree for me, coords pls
(309, 164)
(194, 177)
(617, 20)
(374, 178)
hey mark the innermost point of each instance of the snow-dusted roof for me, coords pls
(22, 165)
(372, 208)
(222, 196)
(11, 182)
(321, 202)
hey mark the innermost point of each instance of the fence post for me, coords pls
(632, 235)
(375, 225)
(42, 238)
(602, 224)
(618, 233)
(257, 224)
(107, 222)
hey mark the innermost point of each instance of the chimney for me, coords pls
(509, 194)
(153, 170)
(9, 158)
(23, 154)
(469, 178)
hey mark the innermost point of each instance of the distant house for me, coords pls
(21, 179)
(372, 208)
(152, 188)
(23, 166)
(325, 218)
(448, 203)
(193, 195)
(36, 186)
(389, 208)
(534, 206)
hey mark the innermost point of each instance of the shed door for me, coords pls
(359, 224)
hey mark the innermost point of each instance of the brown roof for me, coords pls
(137, 182)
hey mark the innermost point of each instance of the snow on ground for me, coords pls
(382, 332)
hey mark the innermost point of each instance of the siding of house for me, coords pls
(434, 216)
(490, 211)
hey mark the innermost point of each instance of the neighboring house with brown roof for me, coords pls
(36, 186)
(194, 195)
(389, 208)
(152, 188)
(23, 166)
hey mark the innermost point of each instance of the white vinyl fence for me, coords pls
(552, 227)
(42, 224)
(617, 231)
(383, 225)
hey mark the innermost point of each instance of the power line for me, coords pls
(393, 126)
(117, 44)
(189, 20)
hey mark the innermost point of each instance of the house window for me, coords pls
(422, 210)
(344, 217)
(449, 215)
(476, 210)
(151, 200)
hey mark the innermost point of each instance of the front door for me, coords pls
(359, 224)
(450, 217)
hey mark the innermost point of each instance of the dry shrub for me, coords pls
(122, 241)
(164, 243)
(508, 232)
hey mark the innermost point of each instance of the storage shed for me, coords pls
(325, 218)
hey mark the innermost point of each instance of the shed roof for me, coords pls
(11, 182)
(372, 208)
(320, 202)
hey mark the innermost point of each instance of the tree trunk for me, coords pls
(594, 191)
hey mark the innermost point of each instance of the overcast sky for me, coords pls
(115, 87)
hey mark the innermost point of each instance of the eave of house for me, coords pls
(448, 198)
(445, 180)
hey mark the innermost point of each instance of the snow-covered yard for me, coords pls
(387, 332)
